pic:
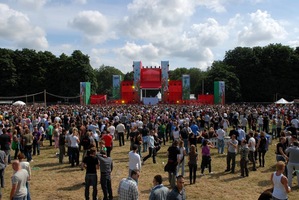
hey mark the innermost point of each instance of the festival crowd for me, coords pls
(92, 131)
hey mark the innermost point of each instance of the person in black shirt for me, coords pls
(172, 163)
(62, 145)
(91, 163)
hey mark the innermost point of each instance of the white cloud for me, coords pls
(94, 26)
(80, 1)
(31, 4)
(261, 28)
(214, 5)
(15, 27)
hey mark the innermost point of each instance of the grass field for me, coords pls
(51, 180)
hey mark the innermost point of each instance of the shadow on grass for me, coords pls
(77, 186)
(264, 183)
(46, 165)
(146, 191)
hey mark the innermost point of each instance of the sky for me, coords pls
(187, 33)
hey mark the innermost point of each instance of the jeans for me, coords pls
(144, 139)
(28, 152)
(150, 154)
(186, 145)
(106, 186)
(182, 166)
(192, 170)
(171, 179)
(252, 159)
(91, 180)
(75, 156)
(2, 177)
(121, 139)
(20, 198)
(206, 162)
(36, 148)
(28, 191)
(220, 146)
(109, 149)
(61, 153)
(291, 167)
(231, 157)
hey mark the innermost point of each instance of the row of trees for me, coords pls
(258, 74)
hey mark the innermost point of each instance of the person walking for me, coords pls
(106, 167)
(193, 158)
(206, 156)
(181, 158)
(27, 141)
(220, 136)
(151, 148)
(251, 146)
(178, 192)
(262, 147)
(134, 159)
(280, 182)
(121, 130)
(20, 177)
(159, 191)
(3, 164)
(231, 154)
(244, 151)
(26, 165)
(91, 163)
(128, 187)
(62, 139)
(293, 162)
(172, 162)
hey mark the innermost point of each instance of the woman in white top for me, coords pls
(176, 133)
(280, 182)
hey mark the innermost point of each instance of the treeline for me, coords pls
(258, 74)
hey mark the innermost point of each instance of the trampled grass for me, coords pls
(51, 180)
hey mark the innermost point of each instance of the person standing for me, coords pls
(220, 136)
(293, 163)
(74, 140)
(108, 142)
(244, 151)
(120, 130)
(134, 159)
(178, 192)
(206, 156)
(262, 147)
(18, 180)
(231, 154)
(37, 136)
(106, 167)
(50, 132)
(128, 187)
(62, 140)
(91, 163)
(5, 141)
(3, 164)
(193, 158)
(181, 158)
(25, 165)
(280, 182)
(172, 162)
(27, 141)
(251, 146)
(159, 191)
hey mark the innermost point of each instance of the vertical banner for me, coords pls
(84, 93)
(186, 86)
(164, 84)
(137, 70)
(116, 79)
(219, 92)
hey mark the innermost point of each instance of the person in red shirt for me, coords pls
(107, 137)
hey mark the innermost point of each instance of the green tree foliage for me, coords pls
(222, 72)
(8, 75)
(104, 78)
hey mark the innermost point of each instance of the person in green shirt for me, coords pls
(50, 132)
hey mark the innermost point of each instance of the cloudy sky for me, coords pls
(188, 33)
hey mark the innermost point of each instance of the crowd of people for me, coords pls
(92, 130)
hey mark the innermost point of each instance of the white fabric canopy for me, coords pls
(19, 103)
(283, 101)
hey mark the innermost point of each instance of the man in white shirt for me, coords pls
(120, 130)
(134, 159)
(220, 136)
(251, 146)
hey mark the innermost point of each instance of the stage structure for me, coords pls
(84, 93)
(116, 80)
(219, 92)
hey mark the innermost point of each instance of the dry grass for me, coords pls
(51, 180)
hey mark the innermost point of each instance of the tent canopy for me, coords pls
(282, 101)
(19, 103)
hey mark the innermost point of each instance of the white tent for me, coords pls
(282, 101)
(19, 103)
(159, 95)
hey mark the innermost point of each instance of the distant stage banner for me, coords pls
(137, 71)
(116, 79)
(164, 83)
(219, 92)
(186, 86)
(85, 93)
